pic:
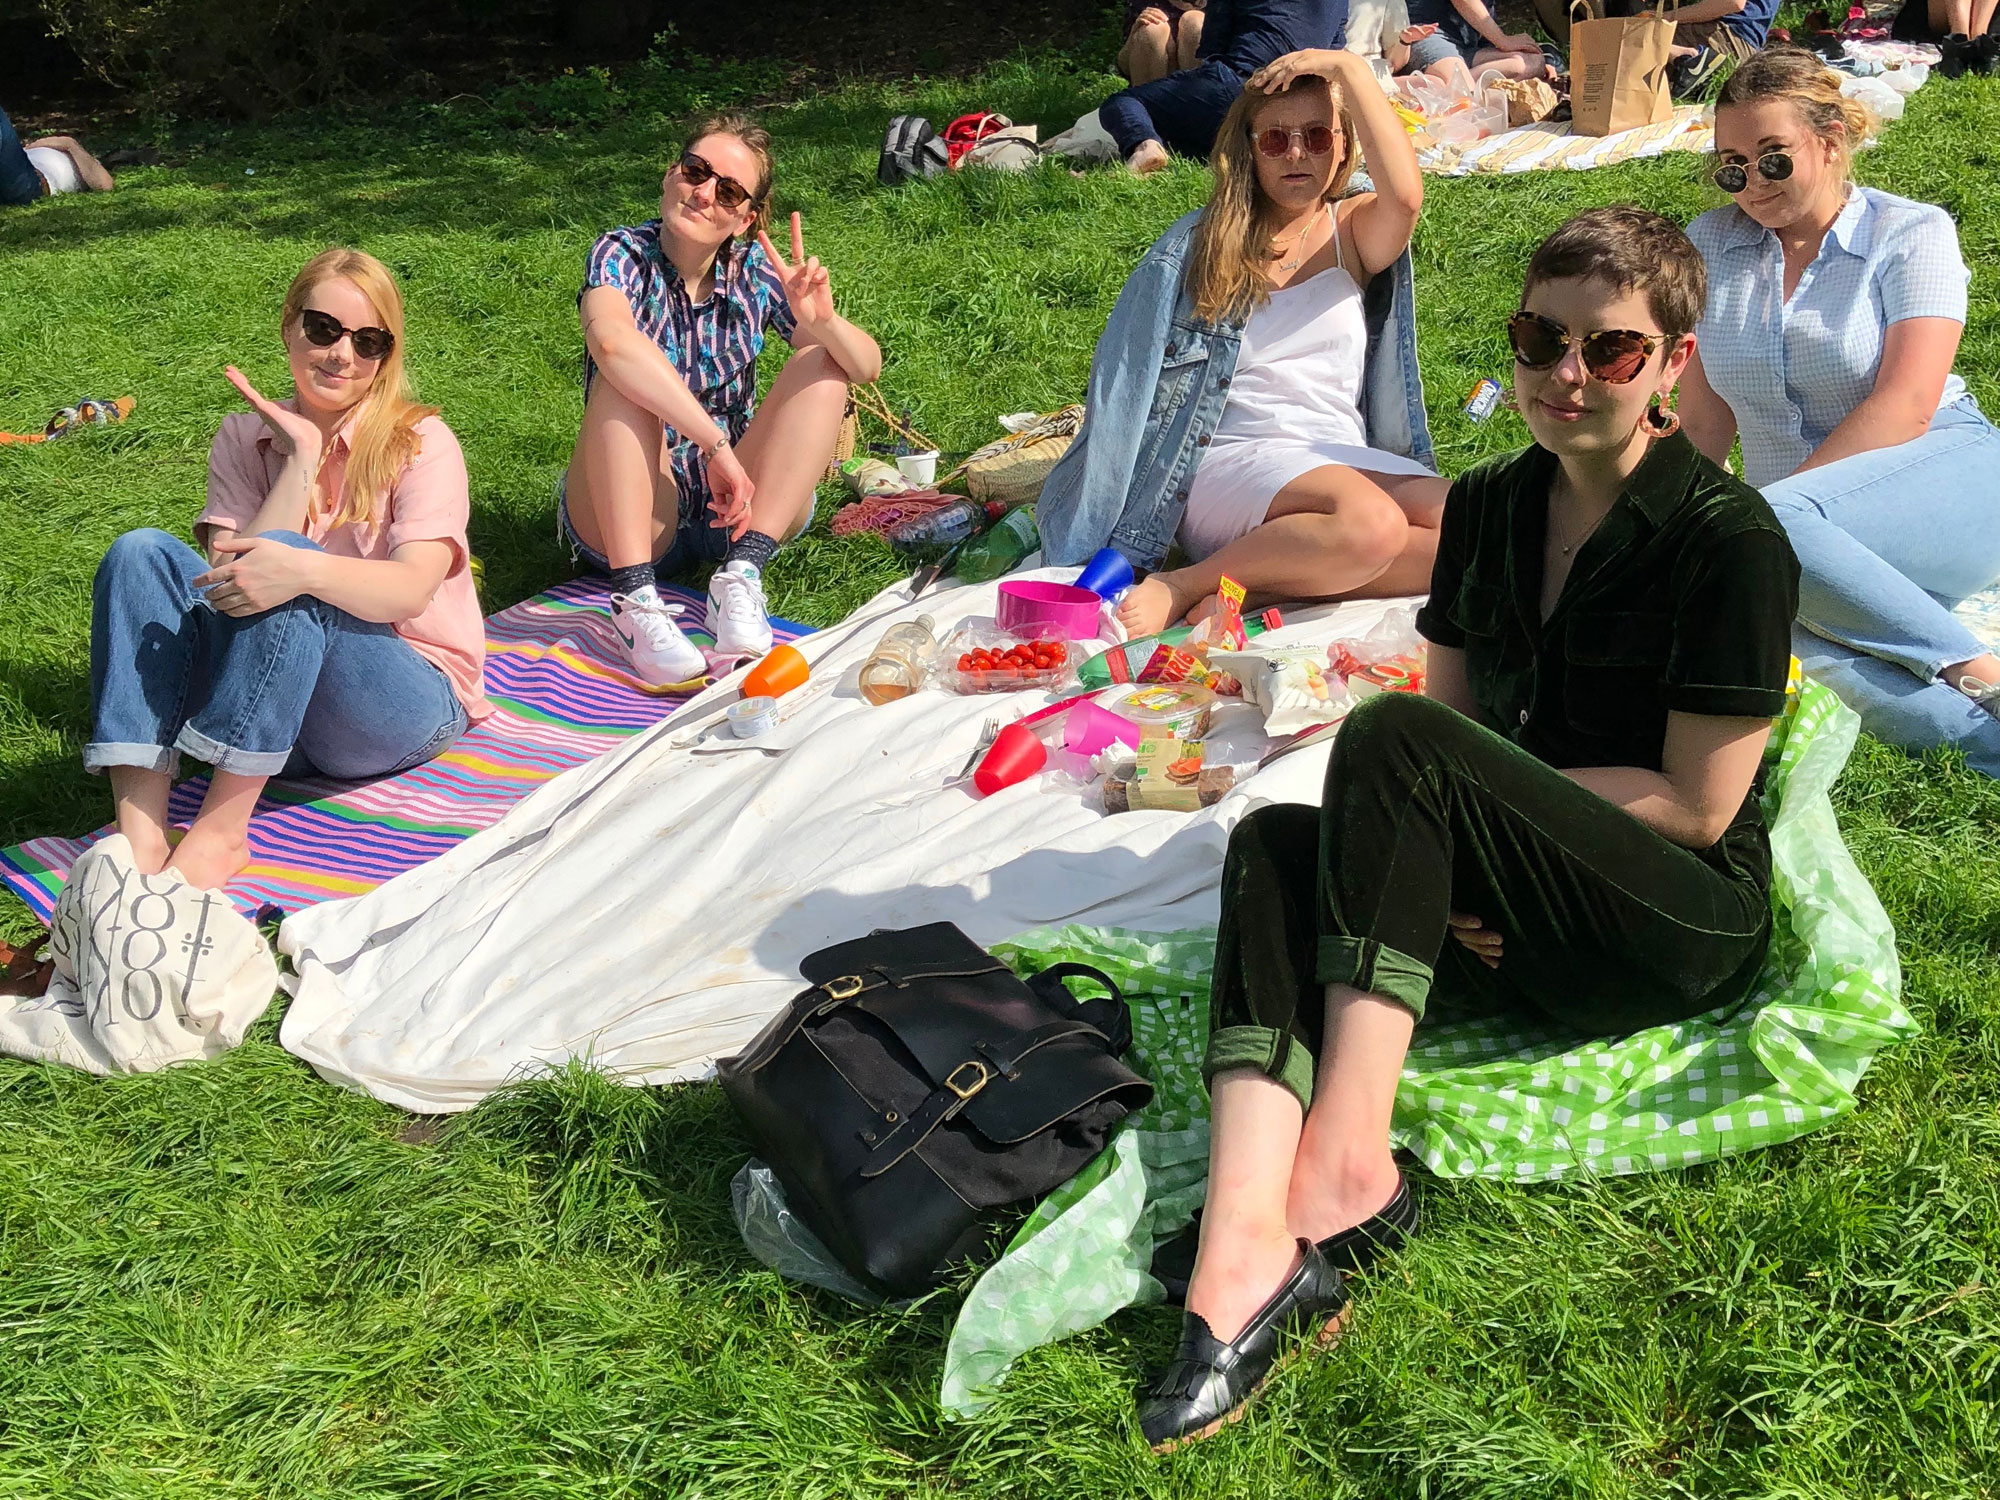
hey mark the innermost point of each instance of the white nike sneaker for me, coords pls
(653, 643)
(737, 615)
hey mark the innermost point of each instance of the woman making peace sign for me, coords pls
(333, 626)
(671, 468)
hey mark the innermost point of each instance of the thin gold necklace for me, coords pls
(1298, 260)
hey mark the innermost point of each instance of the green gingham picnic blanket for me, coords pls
(1495, 1098)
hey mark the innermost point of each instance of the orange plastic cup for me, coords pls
(777, 674)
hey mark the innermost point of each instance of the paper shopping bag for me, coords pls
(1618, 69)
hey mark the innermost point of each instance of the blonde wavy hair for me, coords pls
(1231, 247)
(1794, 76)
(382, 430)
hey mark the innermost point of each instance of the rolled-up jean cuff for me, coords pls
(1368, 965)
(1278, 1055)
(228, 758)
(102, 756)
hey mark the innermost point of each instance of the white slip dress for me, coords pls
(1294, 406)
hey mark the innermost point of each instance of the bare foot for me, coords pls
(1985, 669)
(1150, 606)
(150, 849)
(1147, 158)
(1327, 1199)
(207, 861)
(1230, 1283)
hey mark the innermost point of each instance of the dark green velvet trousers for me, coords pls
(1607, 927)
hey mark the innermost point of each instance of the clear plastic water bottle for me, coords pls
(943, 527)
(1013, 537)
(895, 669)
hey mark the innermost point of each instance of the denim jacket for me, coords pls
(1158, 383)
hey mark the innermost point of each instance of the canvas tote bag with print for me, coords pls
(1618, 68)
(149, 970)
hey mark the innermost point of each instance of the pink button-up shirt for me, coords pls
(429, 502)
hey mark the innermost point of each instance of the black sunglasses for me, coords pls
(730, 193)
(323, 331)
(1612, 355)
(1733, 177)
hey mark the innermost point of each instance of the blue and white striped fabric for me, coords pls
(1792, 371)
(714, 345)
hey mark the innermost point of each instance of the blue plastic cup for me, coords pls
(1107, 574)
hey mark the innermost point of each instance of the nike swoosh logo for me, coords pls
(623, 636)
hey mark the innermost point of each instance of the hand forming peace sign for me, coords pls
(807, 288)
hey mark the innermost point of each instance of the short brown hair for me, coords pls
(1799, 78)
(1633, 249)
(758, 140)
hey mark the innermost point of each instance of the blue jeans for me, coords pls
(694, 542)
(19, 181)
(1888, 541)
(1181, 111)
(300, 688)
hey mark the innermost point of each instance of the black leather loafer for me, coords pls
(1209, 1383)
(1352, 1250)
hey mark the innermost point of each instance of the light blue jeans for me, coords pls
(1888, 542)
(300, 688)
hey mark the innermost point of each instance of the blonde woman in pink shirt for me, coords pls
(332, 627)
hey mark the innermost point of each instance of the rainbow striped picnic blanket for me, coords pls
(562, 696)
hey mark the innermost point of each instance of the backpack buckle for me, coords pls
(965, 1091)
(844, 988)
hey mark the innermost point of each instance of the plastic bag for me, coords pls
(1876, 94)
(780, 1239)
(1292, 686)
(1388, 658)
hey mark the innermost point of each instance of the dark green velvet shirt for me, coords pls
(1682, 599)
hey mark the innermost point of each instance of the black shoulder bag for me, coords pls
(918, 1085)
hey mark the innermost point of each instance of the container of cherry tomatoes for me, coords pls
(992, 661)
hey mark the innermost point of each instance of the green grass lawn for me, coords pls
(238, 1280)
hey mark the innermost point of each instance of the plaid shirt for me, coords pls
(714, 345)
(1792, 371)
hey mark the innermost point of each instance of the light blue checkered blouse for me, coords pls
(1792, 371)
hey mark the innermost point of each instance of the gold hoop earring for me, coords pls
(1661, 419)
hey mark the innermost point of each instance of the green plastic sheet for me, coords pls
(1495, 1098)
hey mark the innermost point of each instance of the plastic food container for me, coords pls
(1055, 662)
(1180, 708)
(752, 717)
(1060, 610)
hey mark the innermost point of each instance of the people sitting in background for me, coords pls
(1967, 32)
(676, 463)
(1711, 35)
(1161, 37)
(332, 628)
(46, 166)
(1181, 112)
(1567, 827)
(1454, 40)
(1834, 318)
(1225, 399)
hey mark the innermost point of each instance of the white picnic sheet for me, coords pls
(648, 911)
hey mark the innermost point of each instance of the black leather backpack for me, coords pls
(918, 1086)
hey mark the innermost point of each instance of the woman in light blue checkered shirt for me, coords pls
(1834, 316)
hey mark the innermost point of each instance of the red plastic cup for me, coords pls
(1016, 755)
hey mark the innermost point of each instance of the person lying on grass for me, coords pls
(46, 167)
(1834, 318)
(332, 628)
(672, 468)
(1245, 439)
(1567, 826)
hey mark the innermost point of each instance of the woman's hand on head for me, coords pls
(1314, 62)
(807, 287)
(291, 432)
(262, 573)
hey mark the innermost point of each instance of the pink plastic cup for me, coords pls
(1016, 755)
(1027, 607)
(1089, 729)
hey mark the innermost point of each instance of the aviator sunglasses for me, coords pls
(1612, 355)
(1275, 140)
(323, 331)
(1733, 177)
(730, 193)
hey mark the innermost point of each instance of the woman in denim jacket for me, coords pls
(1255, 394)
